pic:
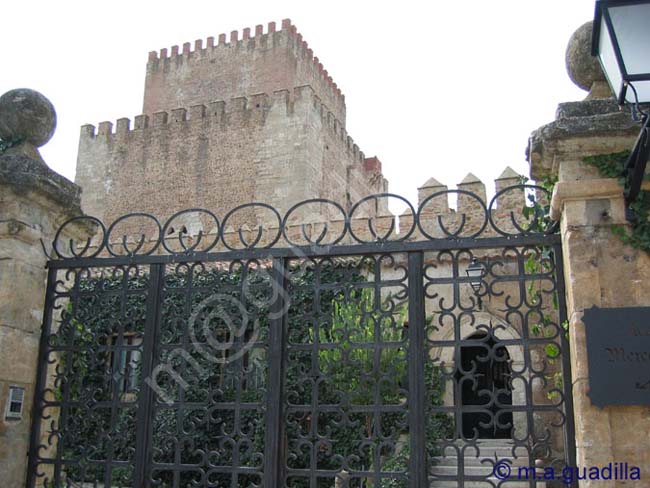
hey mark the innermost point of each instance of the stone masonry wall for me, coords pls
(442, 216)
(278, 149)
(259, 63)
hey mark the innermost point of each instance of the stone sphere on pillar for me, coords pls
(583, 68)
(26, 115)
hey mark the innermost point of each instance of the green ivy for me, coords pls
(638, 234)
(538, 213)
(609, 165)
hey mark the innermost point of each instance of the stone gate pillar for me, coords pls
(599, 269)
(34, 201)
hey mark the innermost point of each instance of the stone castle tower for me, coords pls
(250, 119)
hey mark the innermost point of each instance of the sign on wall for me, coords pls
(618, 349)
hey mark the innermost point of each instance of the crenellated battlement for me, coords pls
(474, 186)
(276, 147)
(196, 50)
(278, 59)
(466, 210)
(222, 40)
(234, 113)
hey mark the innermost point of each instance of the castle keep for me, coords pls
(250, 119)
(253, 118)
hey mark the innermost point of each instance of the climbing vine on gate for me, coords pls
(538, 212)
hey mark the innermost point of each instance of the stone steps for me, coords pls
(488, 452)
(481, 468)
(477, 462)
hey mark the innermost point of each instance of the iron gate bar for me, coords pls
(41, 374)
(567, 377)
(143, 436)
(274, 445)
(315, 251)
(63, 414)
(416, 357)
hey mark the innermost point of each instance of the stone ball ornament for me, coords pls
(26, 115)
(583, 68)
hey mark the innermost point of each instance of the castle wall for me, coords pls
(259, 63)
(278, 149)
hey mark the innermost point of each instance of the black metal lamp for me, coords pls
(475, 272)
(621, 40)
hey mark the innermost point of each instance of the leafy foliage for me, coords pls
(609, 165)
(538, 211)
(638, 235)
(362, 352)
(541, 261)
(355, 321)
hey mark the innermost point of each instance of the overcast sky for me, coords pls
(436, 88)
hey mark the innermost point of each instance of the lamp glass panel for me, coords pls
(608, 59)
(475, 272)
(642, 90)
(632, 29)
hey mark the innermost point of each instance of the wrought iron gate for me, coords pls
(351, 356)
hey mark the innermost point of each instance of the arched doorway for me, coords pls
(483, 377)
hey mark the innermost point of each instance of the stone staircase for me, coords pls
(481, 473)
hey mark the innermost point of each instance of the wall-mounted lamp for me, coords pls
(621, 40)
(476, 271)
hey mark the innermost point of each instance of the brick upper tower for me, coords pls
(262, 63)
(257, 118)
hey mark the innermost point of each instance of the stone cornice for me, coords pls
(24, 174)
(580, 128)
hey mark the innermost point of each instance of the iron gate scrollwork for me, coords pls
(333, 353)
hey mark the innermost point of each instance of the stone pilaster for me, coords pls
(599, 269)
(34, 201)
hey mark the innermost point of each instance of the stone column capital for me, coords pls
(584, 190)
